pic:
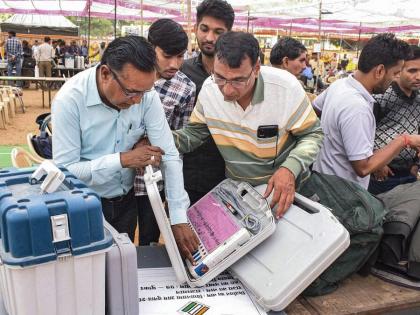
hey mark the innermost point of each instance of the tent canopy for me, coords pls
(40, 24)
(338, 16)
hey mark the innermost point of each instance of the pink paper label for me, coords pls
(212, 222)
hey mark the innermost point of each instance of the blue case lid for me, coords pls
(25, 219)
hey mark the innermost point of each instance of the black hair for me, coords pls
(13, 33)
(135, 50)
(47, 39)
(169, 36)
(286, 47)
(218, 9)
(414, 53)
(383, 49)
(233, 47)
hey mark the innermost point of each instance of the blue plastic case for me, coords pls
(26, 225)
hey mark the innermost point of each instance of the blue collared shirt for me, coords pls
(89, 136)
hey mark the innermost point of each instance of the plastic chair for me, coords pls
(22, 158)
(2, 116)
(32, 149)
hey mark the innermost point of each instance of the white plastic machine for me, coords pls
(275, 267)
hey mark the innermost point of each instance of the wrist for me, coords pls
(406, 141)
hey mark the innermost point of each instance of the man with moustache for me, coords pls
(289, 54)
(398, 112)
(177, 93)
(205, 168)
(98, 117)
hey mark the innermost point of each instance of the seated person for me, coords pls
(398, 112)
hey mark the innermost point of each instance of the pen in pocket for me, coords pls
(129, 128)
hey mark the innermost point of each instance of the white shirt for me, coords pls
(45, 52)
(349, 129)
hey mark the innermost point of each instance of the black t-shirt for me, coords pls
(204, 168)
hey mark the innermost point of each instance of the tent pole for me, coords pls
(189, 25)
(141, 18)
(358, 40)
(247, 22)
(88, 33)
(319, 39)
(115, 19)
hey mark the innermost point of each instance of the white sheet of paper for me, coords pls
(160, 294)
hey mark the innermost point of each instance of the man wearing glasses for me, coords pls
(259, 117)
(99, 115)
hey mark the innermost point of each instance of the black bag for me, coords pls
(43, 145)
(361, 214)
(399, 254)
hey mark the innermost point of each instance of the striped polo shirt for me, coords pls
(278, 99)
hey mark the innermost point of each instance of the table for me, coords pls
(157, 257)
(357, 295)
(37, 79)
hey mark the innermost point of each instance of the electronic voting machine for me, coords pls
(232, 221)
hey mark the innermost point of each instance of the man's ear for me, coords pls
(379, 72)
(257, 67)
(285, 62)
(105, 73)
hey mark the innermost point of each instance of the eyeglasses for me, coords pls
(127, 93)
(234, 83)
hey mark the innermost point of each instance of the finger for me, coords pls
(156, 149)
(281, 205)
(269, 189)
(276, 198)
(187, 254)
(289, 201)
(390, 172)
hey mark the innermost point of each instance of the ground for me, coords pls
(22, 124)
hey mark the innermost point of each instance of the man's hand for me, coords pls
(142, 142)
(186, 240)
(141, 156)
(383, 173)
(283, 183)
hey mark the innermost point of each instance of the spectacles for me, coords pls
(234, 83)
(127, 93)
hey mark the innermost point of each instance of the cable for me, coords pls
(250, 221)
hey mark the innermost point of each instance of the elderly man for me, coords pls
(99, 115)
(259, 117)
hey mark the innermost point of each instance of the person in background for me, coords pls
(205, 168)
(398, 112)
(289, 54)
(73, 49)
(44, 58)
(35, 48)
(99, 116)
(84, 51)
(14, 55)
(177, 93)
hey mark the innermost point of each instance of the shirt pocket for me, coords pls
(133, 136)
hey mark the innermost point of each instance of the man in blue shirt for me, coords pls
(99, 115)
(14, 54)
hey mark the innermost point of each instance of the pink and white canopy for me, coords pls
(338, 16)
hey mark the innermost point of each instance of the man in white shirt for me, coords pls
(44, 56)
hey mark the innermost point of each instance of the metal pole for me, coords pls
(247, 22)
(88, 36)
(115, 19)
(141, 18)
(319, 39)
(358, 40)
(189, 25)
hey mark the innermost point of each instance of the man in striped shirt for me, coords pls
(241, 98)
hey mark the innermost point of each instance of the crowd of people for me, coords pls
(144, 105)
(22, 58)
